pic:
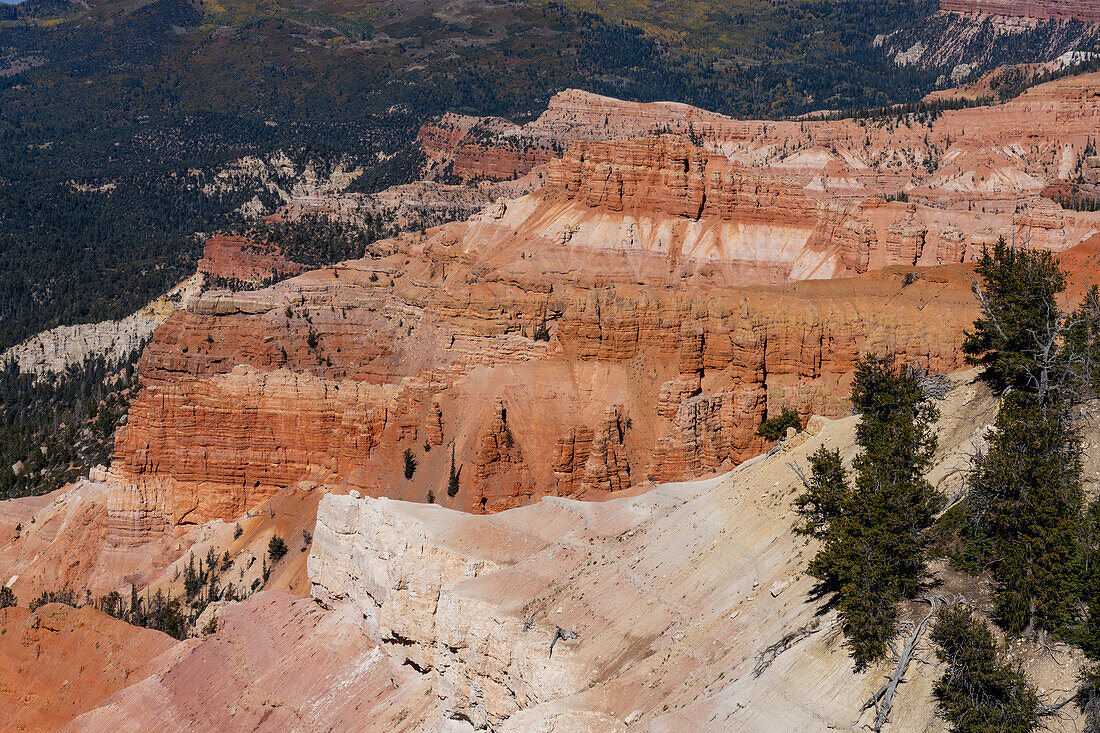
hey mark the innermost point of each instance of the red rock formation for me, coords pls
(59, 662)
(1087, 11)
(677, 283)
(593, 460)
(479, 149)
(668, 174)
(275, 661)
(223, 423)
(244, 260)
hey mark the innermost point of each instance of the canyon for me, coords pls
(540, 420)
(652, 611)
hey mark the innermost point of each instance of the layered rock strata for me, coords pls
(1086, 11)
(654, 612)
(634, 319)
(331, 376)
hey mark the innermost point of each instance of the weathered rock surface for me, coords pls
(59, 662)
(1087, 11)
(244, 260)
(674, 596)
(648, 612)
(633, 319)
(224, 422)
(277, 662)
(1008, 148)
(61, 347)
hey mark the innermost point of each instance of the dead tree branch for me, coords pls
(801, 474)
(564, 635)
(769, 655)
(883, 700)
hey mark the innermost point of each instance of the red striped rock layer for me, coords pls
(427, 358)
(997, 154)
(1087, 11)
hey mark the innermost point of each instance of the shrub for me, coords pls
(237, 531)
(276, 548)
(979, 691)
(7, 597)
(774, 428)
(410, 464)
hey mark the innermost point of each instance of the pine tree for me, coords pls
(452, 480)
(1083, 338)
(874, 534)
(276, 548)
(1018, 299)
(979, 691)
(1026, 496)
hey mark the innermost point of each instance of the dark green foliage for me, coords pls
(1018, 297)
(1087, 634)
(979, 691)
(774, 428)
(163, 613)
(1023, 511)
(192, 580)
(66, 595)
(276, 548)
(1087, 697)
(431, 496)
(410, 464)
(874, 534)
(827, 497)
(1025, 502)
(452, 478)
(7, 597)
(73, 415)
(316, 241)
(1079, 203)
(1083, 338)
(237, 531)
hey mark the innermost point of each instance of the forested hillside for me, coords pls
(116, 118)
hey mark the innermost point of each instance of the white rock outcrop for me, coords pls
(386, 557)
(64, 346)
(690, 603)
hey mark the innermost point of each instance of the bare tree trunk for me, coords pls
(883, 700)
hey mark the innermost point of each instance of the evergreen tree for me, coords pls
(1088, 635)
(1026, 499)
(410, 464)
(452, 480)
(1018, 298)
(874, 534)
(979, 691)
(1083, 338)
(276, 548)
